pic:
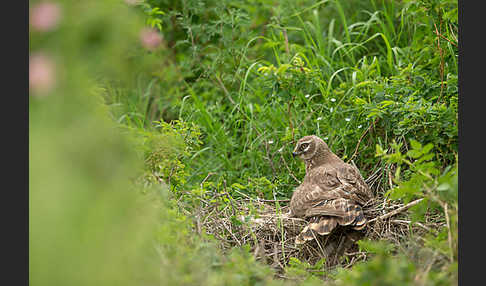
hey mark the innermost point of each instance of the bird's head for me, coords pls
(308, 146)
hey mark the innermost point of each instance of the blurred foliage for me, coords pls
(91, 221)
(86, 224)
(381, 269)
(127, 140)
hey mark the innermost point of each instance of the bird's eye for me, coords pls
(304, 145)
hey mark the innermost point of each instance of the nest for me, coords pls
(266, 226)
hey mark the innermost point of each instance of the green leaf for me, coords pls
(238, 186)
(415, 144)
(427, 148)
(413, 153)
(283, 68)
(443, 187)
(426, 158)
(386, 103)
(379, 150)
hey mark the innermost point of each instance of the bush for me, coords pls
(155, 106)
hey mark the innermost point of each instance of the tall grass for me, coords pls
(349, 65)
(257, 75)
(219, 105)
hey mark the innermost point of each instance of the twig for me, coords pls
(270, 159)
(288, 169)
(444, 37)
(284, 31)
(245, 195)
(268, 201)
(229, 198)
(390, 180)
(361, 138)
(236, 239)
(340, 247)
(353, 253)
(319, 244)
(371, 178)
(452, 33)
(408, 222)
(225, 90)
(275, 255)
(399, 210)
(207, 177)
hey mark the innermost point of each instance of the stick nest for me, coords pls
(265, 225)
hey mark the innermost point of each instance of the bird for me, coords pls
(332, 192)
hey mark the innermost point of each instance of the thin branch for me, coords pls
(452, 33)
(205, 179)
(225, 90)
(267, 201)
(229, 197)
(243, 194)
(361, 138)
(444, 37)
(232, 234)
(287, 50)
(397, 211)
(288, 169)
(408, 222)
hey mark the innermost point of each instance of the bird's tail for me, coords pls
(352, 215)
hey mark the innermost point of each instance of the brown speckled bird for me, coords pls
(332, 193)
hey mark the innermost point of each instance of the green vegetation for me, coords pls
(131, 129)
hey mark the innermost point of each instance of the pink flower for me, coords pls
(41, 74)
(45, 16)
(150, 38)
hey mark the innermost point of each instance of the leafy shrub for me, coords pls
(164, 149)
(304, 74)
(214, 111)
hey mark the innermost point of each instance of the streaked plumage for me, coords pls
(331, 194)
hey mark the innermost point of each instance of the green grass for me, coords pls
(351, 67)
(236, 83)
(261, 74)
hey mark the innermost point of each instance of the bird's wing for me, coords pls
(344, 209)
(332, 197)
(307, 196)
(330, 182)
(322, 185)
(353, 183)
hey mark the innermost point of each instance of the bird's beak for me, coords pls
(295, 154)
